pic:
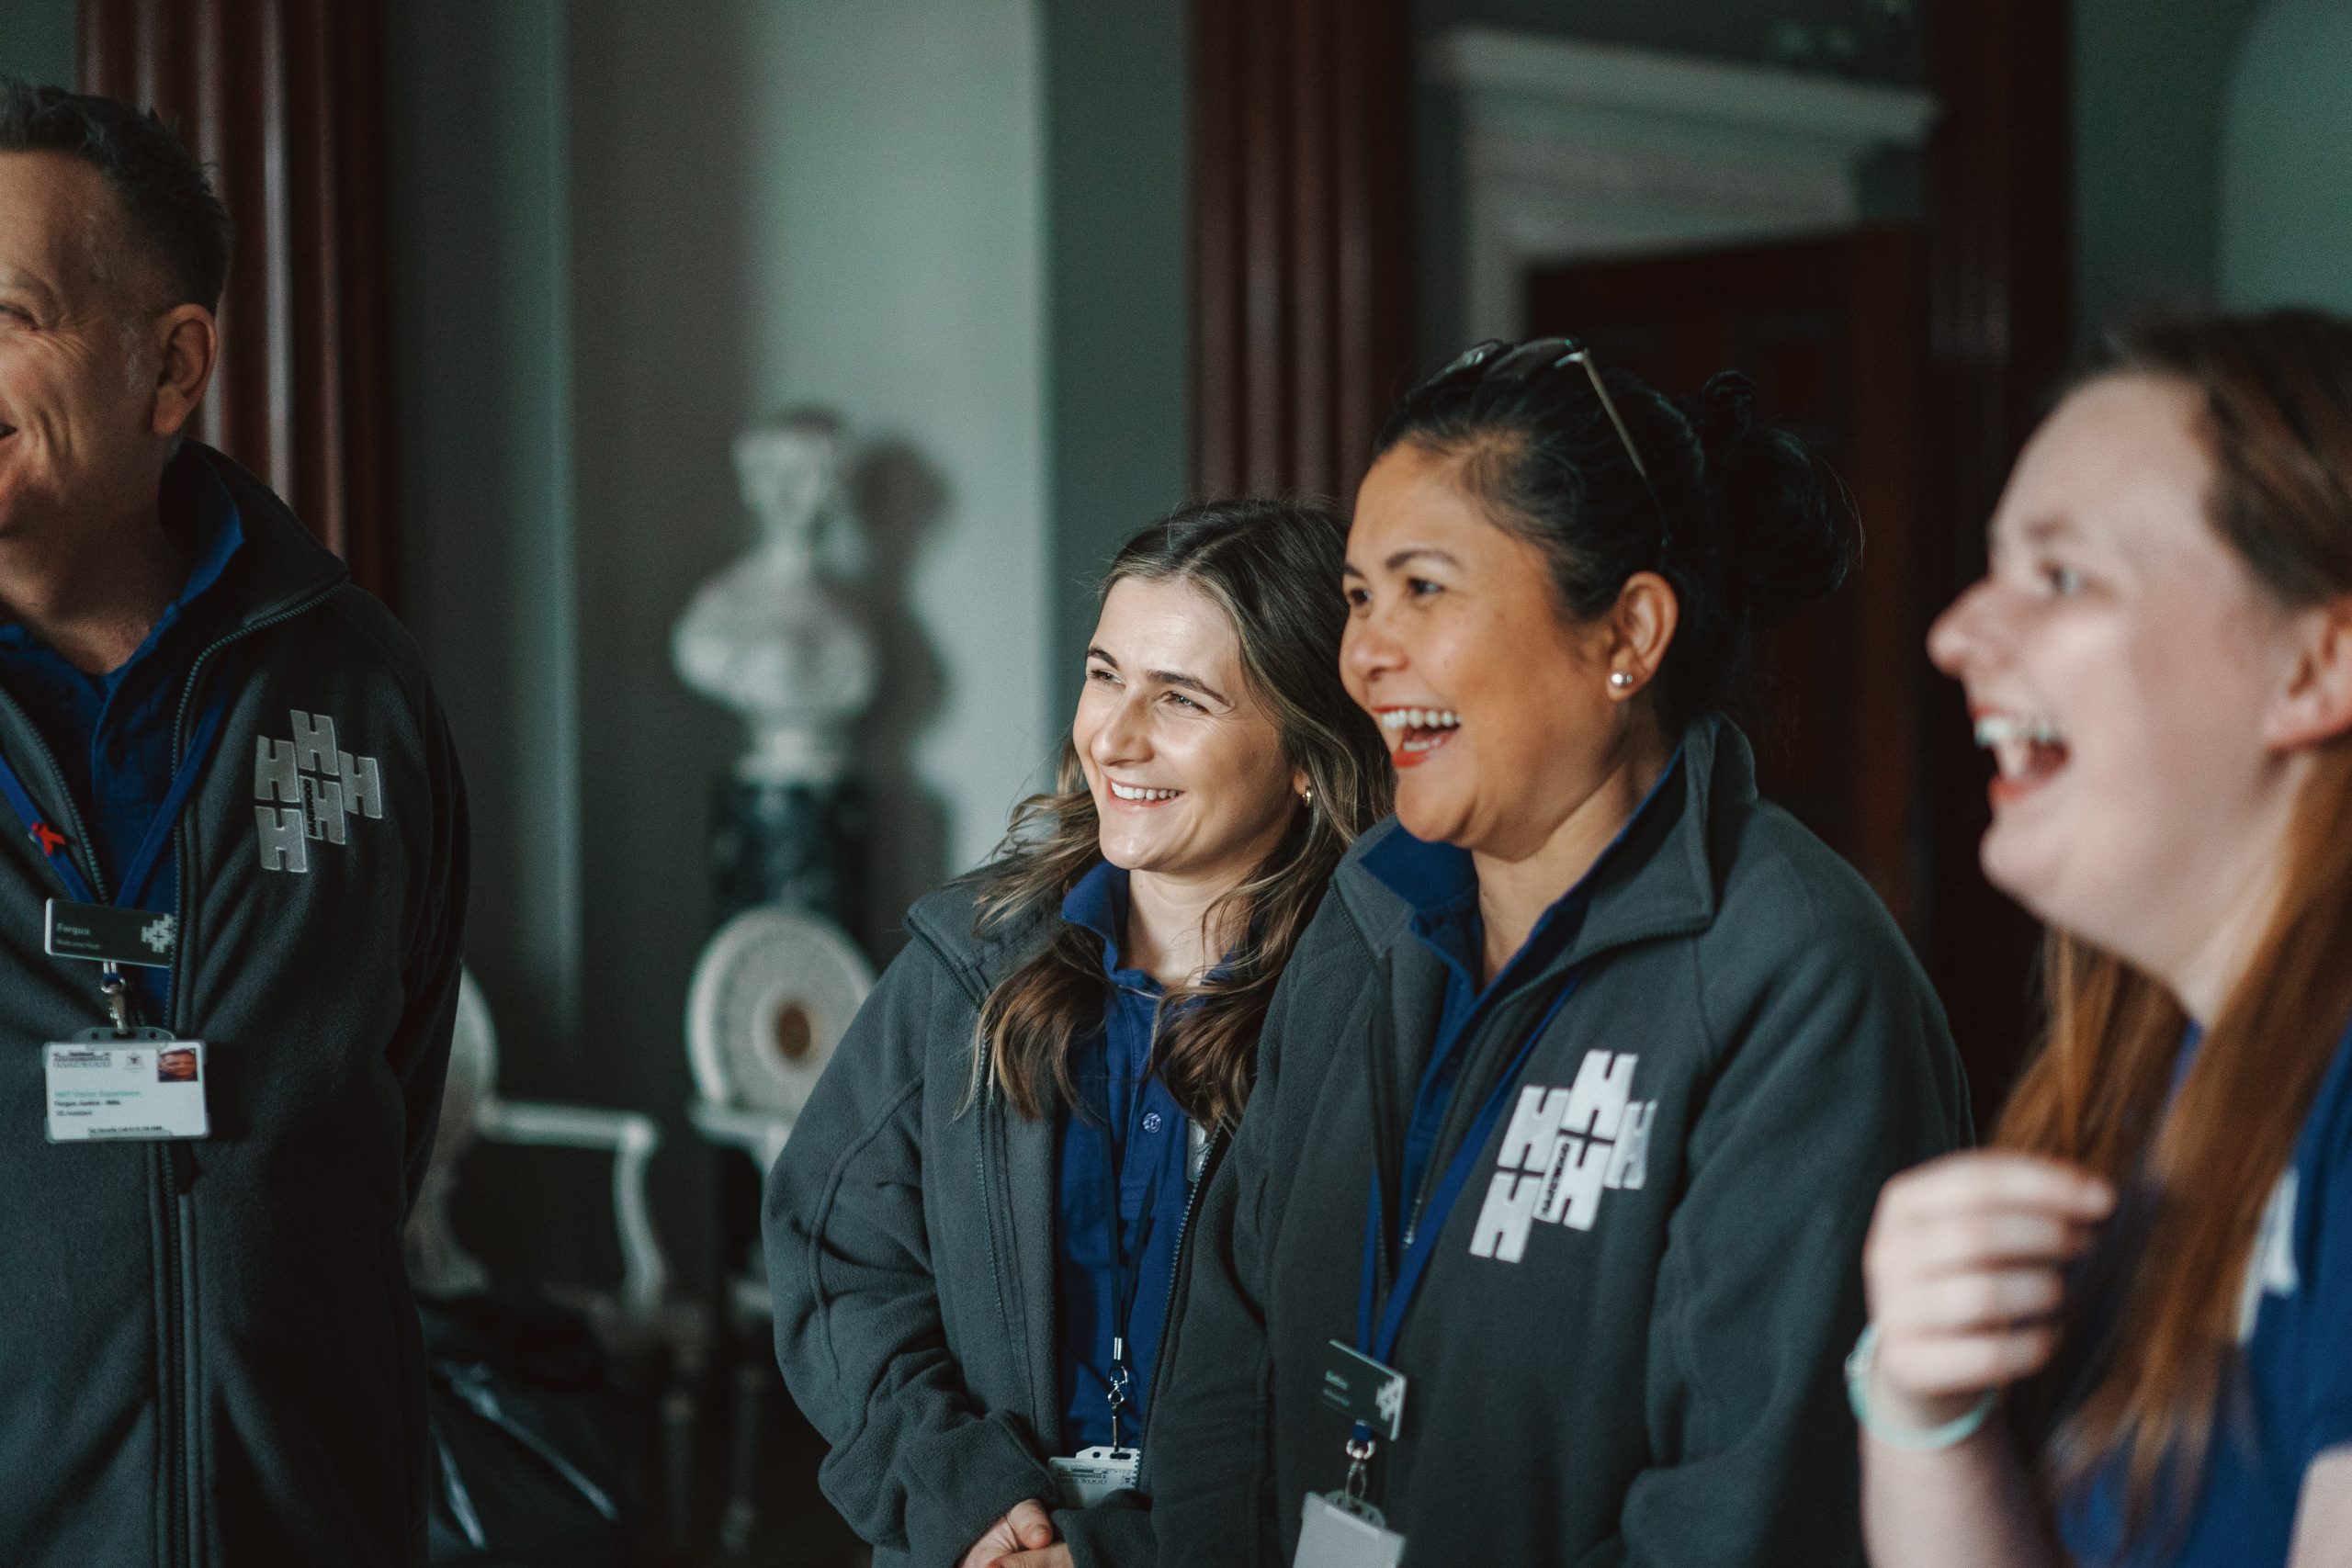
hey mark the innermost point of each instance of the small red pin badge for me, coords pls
(49, 840)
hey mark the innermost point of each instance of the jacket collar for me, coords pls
(281, 565)
(978, 955)
(1659, 882)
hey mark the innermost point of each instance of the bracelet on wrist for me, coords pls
(1957, 1431)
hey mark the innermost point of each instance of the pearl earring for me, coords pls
(1619, 679)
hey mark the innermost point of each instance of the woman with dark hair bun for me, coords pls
(974, 1231)
(1538, 1244)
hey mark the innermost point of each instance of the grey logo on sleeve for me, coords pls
(308, 791)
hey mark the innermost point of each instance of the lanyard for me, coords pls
(1126, 1272)
(1379, 1340)
(140, 874)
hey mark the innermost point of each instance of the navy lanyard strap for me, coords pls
(1126, 1272)
(141, 873)
(1413, 1266)
(52, 844)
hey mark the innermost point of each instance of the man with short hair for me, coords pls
(233, 873)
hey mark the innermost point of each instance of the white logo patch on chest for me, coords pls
(1564, 1148)
(2271, 1269)
(320, 788)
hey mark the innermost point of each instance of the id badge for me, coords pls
(1362, 1389)
(1094, 1473)
(106, 1086)
(1337, 1531)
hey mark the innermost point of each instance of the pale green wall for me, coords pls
(1116, 291)
(483, 436)
(620, 240)
(480, 225)
(893, 195)
(2149, 80)
(37, 40)
(2287, 160)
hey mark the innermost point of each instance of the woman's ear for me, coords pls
(1641, 628)
(2316, 706)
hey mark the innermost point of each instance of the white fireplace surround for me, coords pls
(1573, 151)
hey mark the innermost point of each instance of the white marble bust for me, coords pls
(772, 637)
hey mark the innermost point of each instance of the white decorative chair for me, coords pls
(772, 997)
(637, 1322)
(472, 1111)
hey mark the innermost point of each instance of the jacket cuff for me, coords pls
(1114, 1533)
(962, 1479)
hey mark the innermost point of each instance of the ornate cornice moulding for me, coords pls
(1573, 150)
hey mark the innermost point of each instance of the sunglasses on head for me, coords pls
(1534, 360)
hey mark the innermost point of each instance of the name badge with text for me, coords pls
(104, 934)
(104, 1086)
(1362, 1389)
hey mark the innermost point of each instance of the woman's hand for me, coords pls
(1056, 1556)
(1964, 1268)
(1025, 1529)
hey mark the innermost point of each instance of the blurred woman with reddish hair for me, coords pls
(2124, 1333)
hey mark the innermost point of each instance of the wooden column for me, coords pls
(1302, 201)
(2000, 260)
(284, 101)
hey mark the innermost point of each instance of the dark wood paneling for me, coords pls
(1893, 775)
(284, 99)
(1833, 331)
(1301, 238)
(2000, 269)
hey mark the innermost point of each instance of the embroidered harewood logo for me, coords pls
(1564, 1148)
(309, 791)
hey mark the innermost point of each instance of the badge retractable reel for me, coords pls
(1342, 1528)
(121, 1081)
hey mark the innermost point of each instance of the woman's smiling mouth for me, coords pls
(2029, 752)
(1414, 733)
(1139, 795)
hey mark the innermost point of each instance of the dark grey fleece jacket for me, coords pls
(1647, 1371)
(209, 1355)
(909, 1238)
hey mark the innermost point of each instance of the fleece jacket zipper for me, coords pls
(177, 1163)
(1209, 1158)
(173, 1171)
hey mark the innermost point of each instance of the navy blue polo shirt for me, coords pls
(1127, 1131)
(1439, 883)
(2289, 1396)
(112, 734)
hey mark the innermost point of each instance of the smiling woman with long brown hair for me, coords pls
(973, 1234)
(2156, 1262)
